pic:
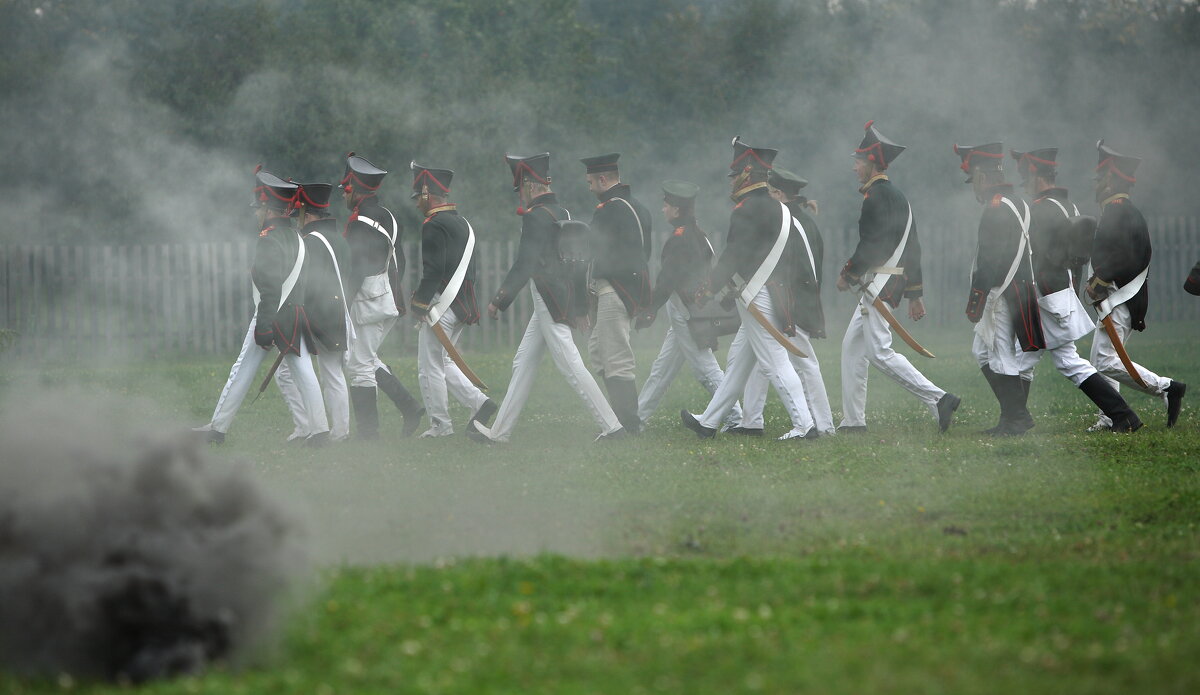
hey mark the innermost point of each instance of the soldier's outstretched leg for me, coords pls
(366, 412)
(409, 407)
(623, 395)
(1097, 388)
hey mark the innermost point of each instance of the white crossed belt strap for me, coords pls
(756, 281)
(289, 283)
(451, 291)
(338, 270)
(1022, 244)
(1122, 295)
(390, 236)
(890, 266)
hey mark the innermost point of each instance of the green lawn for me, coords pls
(899, 561)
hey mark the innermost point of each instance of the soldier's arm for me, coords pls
(433, 266)
(397, 276)
(874, 242)
(914, 287)
(535, 238)
(675, 267)
(266, 272)
(734, 255)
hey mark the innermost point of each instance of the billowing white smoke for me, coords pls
(126, 552)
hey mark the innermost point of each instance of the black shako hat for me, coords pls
(747, 158)
(786, 181)
(680, 194)
(315, 195)
(361, 174)
(534, 166)
(1119, 164)
(601, 163)
(1041, 161)
(876, 148)
(438, 180)
(274, 192)
(989, 156)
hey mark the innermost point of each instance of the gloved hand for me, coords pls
(729, 301)
(264, 336)
(1098, 289)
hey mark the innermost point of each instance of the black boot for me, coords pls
(366, 413)
(623, 396)
(1016, 419)
(409, 407)
(994, 380)
(1097, 388)
(1174, 401)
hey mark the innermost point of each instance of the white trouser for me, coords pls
(1108, 363)
(439, 376)
(609, 345)
(868, 341)
(809, 371)
(677, 347)
(241, 379)
(330, 369)
(1066, 360)
(1001, 354)
(544, 335)
(754, 348)
(362, 359)
(295, 402)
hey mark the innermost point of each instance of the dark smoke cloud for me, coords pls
(125, 552)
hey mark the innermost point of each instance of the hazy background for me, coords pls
(141, 120)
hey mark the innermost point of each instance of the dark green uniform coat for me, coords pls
(538, 258)
(1121, 250)
(685, 262)
(370, 250)
(323, 299)
(1050, 237)
(443, 241)
(274, 258)
(805, 310)
(880, 228)
(999, 240)
(620, 252)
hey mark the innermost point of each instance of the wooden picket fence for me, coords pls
(195, 297)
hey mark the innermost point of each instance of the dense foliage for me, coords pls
(111, 104)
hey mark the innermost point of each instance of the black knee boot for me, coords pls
(994, 381)
(623, 396)
(409, 407)
(1097, 388)
(366, 413)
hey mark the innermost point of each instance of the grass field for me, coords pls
(898, 561)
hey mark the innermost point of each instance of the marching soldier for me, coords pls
(444, 301)
(759, 231)
(376, 266)
(1002, 302)
(326, 261)
(279, 315)
(804, 318)
(686, 260)
(1056, 250)
(620, 280)
(1120, 265)
(886, 266)
(559, 300)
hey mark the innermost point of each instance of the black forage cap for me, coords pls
(315, 195)
(1111, 160)
(361, 174)
(438, 180)
(752, 158)
(876, 148)
(601, 162)
(534, 166)
(989, 156)
(679, 193)
(272, 191)
(786, 181)
(1042, 161)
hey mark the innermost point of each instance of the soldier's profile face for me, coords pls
(347, 197)
(862, 169)
(597, 183)
(670, 211)
(777, 194)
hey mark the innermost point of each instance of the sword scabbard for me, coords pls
(457, 357)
